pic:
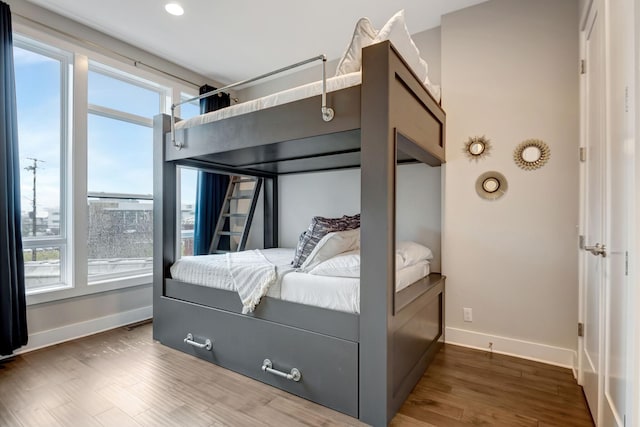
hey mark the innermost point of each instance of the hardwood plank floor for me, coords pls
(122, 378)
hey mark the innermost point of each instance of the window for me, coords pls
(120, 173)
(42, 75)
(189, 109)
(87, 171)
(188, 184)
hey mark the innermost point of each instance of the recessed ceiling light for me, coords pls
(174, 9)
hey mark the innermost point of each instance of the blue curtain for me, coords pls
(13, 309)
(211, 188)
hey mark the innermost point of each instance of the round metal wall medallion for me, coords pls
(491, 185)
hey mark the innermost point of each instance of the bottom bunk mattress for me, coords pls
(271, 274)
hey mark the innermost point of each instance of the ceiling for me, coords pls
(233, 40)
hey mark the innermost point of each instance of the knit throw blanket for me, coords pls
(252, 275)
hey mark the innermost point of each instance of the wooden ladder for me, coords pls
(236, 213)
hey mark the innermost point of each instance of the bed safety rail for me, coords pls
(327, 112)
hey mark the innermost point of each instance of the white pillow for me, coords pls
(412, 253)
(331, 245)
(343, 265)
(363, 36)
(395, 30)
(347, 264)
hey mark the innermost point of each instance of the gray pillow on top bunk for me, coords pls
(319, 228)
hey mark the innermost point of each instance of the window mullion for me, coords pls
(119, 115)
(78, 213)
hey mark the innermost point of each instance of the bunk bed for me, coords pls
(362, 364)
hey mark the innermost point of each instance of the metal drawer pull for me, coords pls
(189, 340)
(295, 374)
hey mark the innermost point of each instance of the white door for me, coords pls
(608, 198)
(618, 331)
(594, 216)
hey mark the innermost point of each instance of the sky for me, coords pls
(119, 153)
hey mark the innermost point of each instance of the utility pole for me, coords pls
(34, 224)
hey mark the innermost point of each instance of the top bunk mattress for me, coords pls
(279, 98)
(294, 94)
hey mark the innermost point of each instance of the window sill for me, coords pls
(61, 293)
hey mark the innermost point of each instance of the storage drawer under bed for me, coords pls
(328, 366)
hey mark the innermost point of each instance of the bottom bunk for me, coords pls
(309, 351)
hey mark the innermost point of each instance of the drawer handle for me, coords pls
(207, 345)
(295, 374)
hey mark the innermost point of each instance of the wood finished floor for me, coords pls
(122, 378)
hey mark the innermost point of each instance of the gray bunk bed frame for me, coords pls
(363, 365)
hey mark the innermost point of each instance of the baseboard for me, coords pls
(512, 347)
(78, 330)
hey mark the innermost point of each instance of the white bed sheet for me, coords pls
(339, 293)
(334, 293)
(204, 270)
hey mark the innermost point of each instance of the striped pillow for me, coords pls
(319, 228)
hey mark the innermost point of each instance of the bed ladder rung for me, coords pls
(236, 214)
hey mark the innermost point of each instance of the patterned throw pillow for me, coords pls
(318, 228)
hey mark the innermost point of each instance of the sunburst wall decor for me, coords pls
(531, 154)
(477, 147)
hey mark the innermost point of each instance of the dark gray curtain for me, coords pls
(13, 310)
(211, 188)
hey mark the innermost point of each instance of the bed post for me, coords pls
(164, 214)
(378, 237)
(270, 212)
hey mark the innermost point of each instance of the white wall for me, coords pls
(509, 71)
(337, 193)
(429, 43)
(63, 320)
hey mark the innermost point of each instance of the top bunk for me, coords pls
(286, 133)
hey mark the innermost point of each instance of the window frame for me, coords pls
(74, 192)
(61, 241)
(113, 114)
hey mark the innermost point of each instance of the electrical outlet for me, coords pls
(468, 314)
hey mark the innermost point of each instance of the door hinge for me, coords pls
(583, 66)
(580, 329)
(626, 99)
(583, 154)
(626, 263)
(581, 241)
